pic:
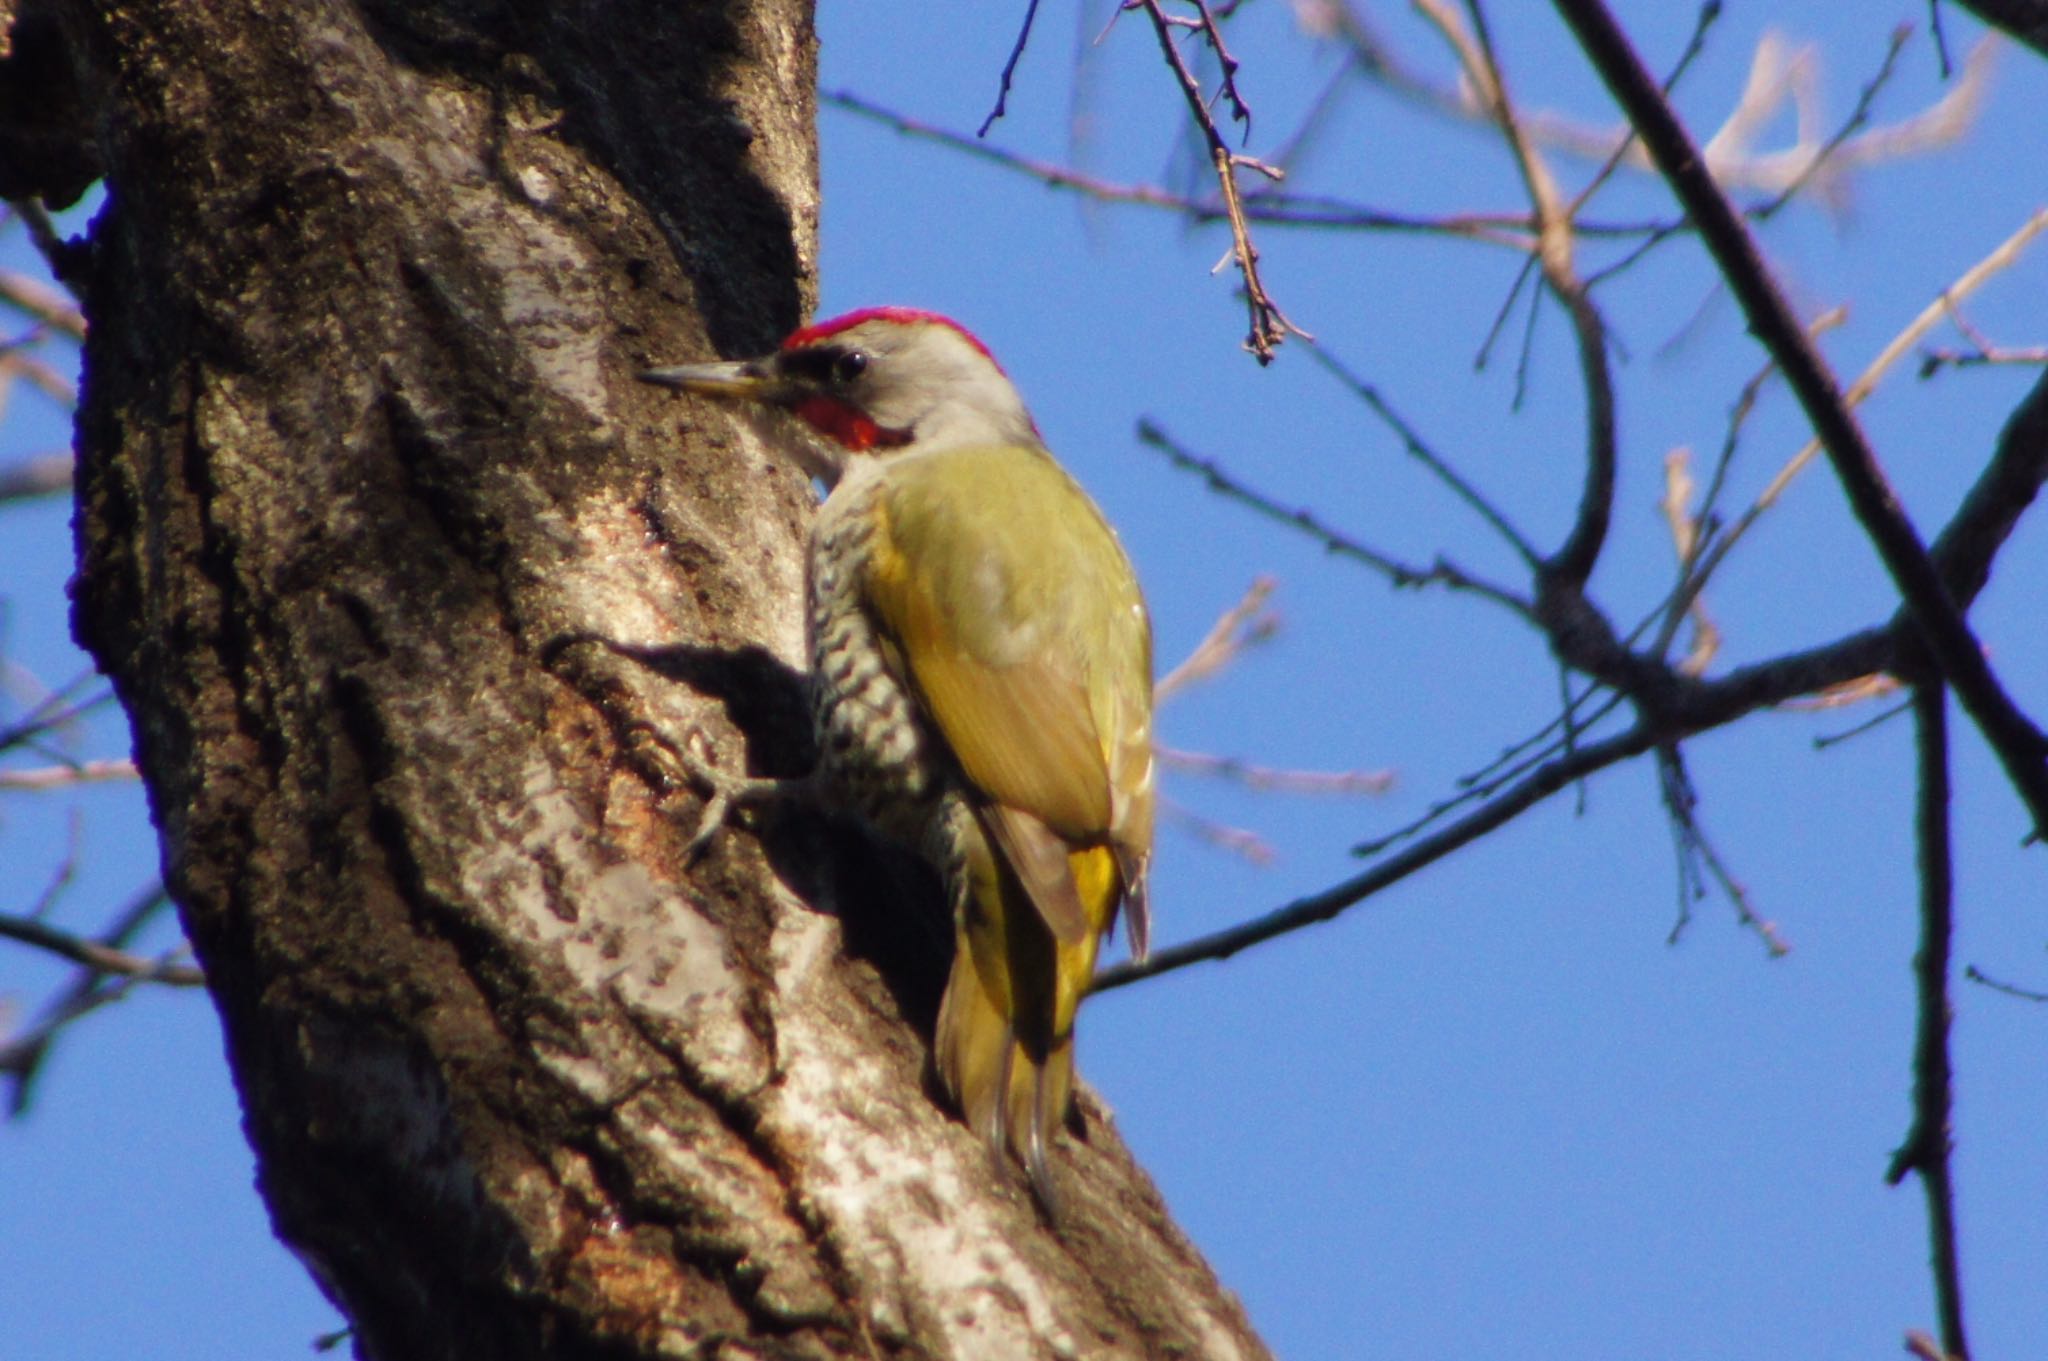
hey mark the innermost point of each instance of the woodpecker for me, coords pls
(981, 680)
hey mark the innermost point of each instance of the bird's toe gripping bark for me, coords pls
(725, 794)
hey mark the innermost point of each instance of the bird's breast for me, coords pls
(877, 751)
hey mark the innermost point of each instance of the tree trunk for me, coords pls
(413, 594)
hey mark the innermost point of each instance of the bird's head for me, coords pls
(876, 382)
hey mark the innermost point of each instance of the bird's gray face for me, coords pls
(875, 387)
(885, 384)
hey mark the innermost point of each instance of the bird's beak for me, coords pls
(745, 380)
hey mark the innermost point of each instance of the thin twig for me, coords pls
(1924, 1348)
(1854, 123)
(1514, 763)
(42, 232)
(1418, 449)
(48, 304)
(37, 475)
(1226, 65)
(1983, 351)
(2021, 747)
(1933, 361)
(1977, 975)
(1302, 211)
(1826, 740)
(66, 871)
(1274, 780)
(1657, 236)
(18, 361)
(54, 711)
(1709, 12)
(1241, 842)
(64, 776)
(1687, 537)
(1568, 569)
(99, 958)
(1320, 907)
(1940, 36)
(1333, 541)
(23, 1053)
(1696, 851)
(1860, 690)
(1928, 1143)
(1499, 325)
(1526, 353)
(1010, 69)
(1242, 625)
(2001, 258)
(1269, 326)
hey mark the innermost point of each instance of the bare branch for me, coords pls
(1933, 361)
(1568, 569)
(2003, 491)
(1928, 1143)
(2001, 258)
(1693, 707)
(1984, 351)
(1309, 211)
(2021, 747)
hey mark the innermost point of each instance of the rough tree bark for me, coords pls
(411, 593)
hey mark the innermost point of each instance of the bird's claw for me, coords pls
(724, 794)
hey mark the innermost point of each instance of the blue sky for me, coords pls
(1491, 1112)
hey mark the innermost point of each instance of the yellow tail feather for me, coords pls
(1005, 1043)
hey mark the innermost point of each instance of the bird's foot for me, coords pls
(725, 794)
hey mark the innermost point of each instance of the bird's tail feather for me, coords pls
(1005, 1044)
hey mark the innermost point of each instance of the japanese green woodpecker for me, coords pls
(981, 671)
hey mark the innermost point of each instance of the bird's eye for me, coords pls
(849, 366)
